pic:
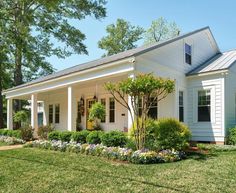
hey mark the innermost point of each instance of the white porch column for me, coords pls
(34, 112)
(71, 120)
(129, 103)
(9, 114)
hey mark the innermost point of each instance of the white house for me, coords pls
(204, 97)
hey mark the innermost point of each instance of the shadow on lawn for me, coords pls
(200, 156)
(81, 169)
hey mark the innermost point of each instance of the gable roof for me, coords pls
(221, 61)
(103, 61)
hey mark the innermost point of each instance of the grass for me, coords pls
(48, 171)
(3, 144)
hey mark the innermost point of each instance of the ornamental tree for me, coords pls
(142, 92)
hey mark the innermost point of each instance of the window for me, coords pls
(204, 106)
(50, 114)
(111, 110)
(152, 113)
(57, 113)
(181, 106)
(103, 102)
(79, 112)
(188, 54)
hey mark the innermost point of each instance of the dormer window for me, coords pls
(188, 54)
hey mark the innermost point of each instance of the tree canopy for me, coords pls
(120, 37)
(161, 30)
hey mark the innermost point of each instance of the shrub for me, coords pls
(172, 134)
(94, 137)
(21, 117)
(96, 113)
(43, 131)
(11, 133)
(80, 137)
(65, 136)
(27, 133)
(114, 139)
(54, 135)
(150, 138)
(231, 138)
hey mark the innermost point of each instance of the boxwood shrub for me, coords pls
(54, 135)
(172, 134)
(11, 133)
(114, 139)
(65, 136)
(231, 138)
(94, 137)
(80, 137)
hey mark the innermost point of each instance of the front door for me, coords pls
(89, 124)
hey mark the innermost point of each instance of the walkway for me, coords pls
(9, 147)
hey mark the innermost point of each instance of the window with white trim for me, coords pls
(181, 106)
(50, 114)
(112, 110)
(188, 53)
(57, 113)
(204, 106)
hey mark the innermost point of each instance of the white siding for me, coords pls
(230, 94)
(214, 130)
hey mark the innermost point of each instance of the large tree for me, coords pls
(161, 30)
(120, 37)
(33, 27)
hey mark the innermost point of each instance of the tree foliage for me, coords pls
(145, 88)
(120, 37)
(37, 29)
(161, 30)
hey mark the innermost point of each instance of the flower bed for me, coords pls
(114, 153)
(11, 140)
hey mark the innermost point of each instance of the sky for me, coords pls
(189, 15)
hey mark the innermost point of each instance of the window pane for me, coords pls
(103, 102)
(181, 106)
(57, 113)
(111, 110)
(204, 106)
(188, 59)
(204, 113)
(188, 49)
(50, 114)
(152, 113)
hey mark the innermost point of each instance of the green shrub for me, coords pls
(130, 144)
(114, 139)
(54, 135)
(65, 136)
(22, 117)
(94, 137)
(150, 139)
(11, 133)
(231, 138)
(43, 131)
(27, 133)
(80, 137)
(172, 134)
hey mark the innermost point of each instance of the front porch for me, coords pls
(67, 108)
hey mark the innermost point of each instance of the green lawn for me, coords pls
(2, 144)
(34, 170)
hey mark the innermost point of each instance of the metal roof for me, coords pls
(109, 59)
(221, 61)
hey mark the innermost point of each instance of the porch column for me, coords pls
(129, 103)
(9, 114)
(34, 112)
(71, 121)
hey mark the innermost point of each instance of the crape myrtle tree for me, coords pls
(142, 91)
(37, 29)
